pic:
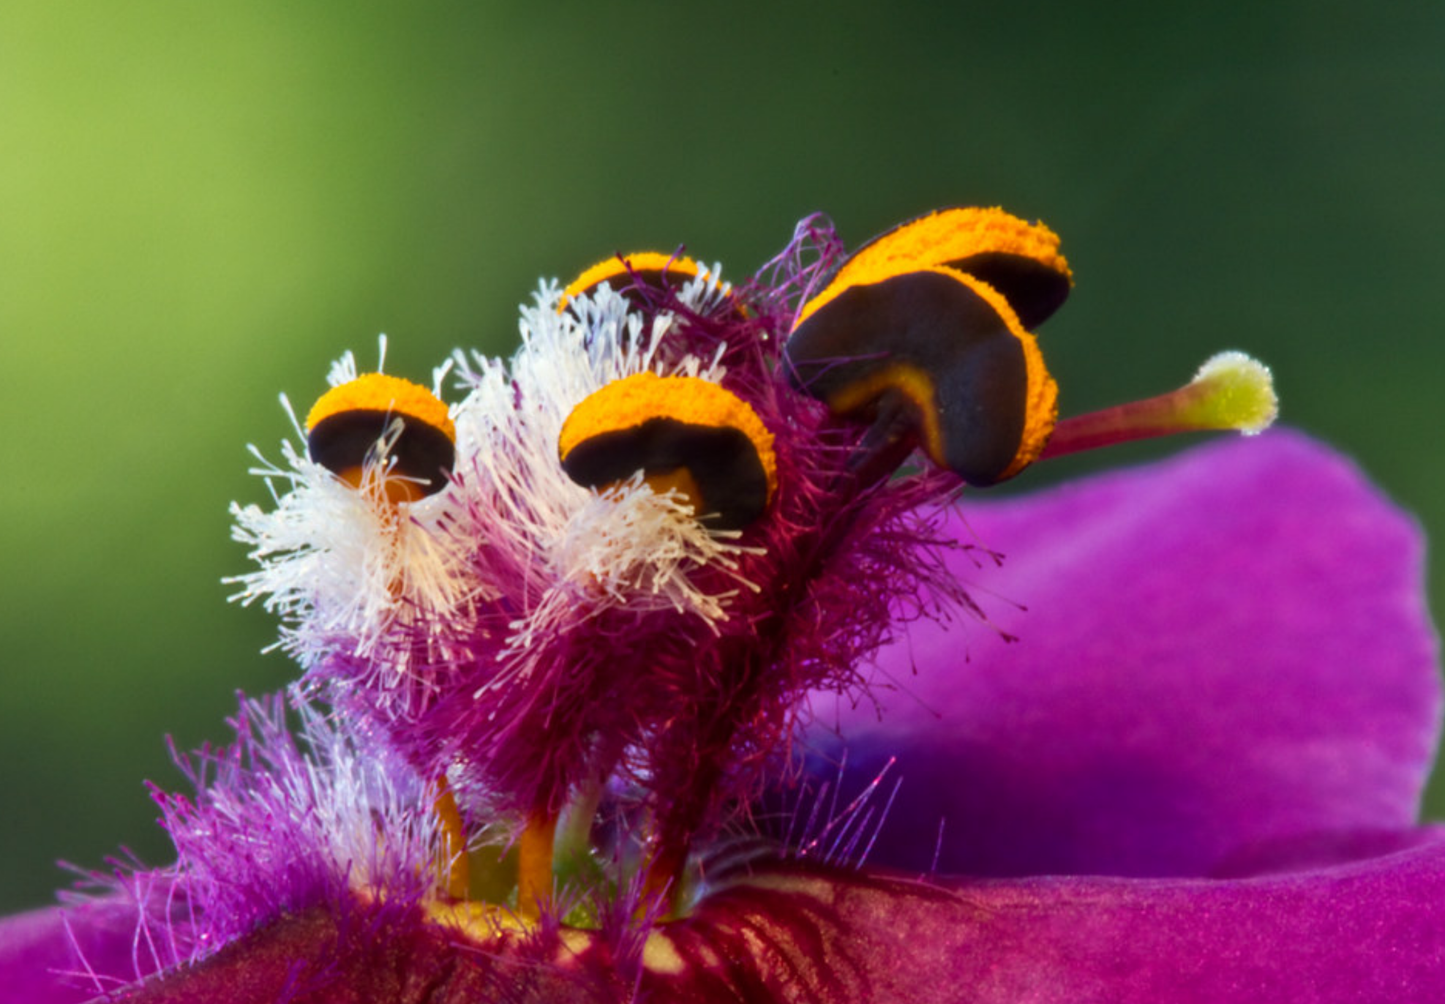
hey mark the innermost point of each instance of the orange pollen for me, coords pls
(383, 392)
(626, 403)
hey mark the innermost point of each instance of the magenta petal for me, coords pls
(1369, 932)
(792, 932)
(57, 955)
(360, 954)
(1228, 648)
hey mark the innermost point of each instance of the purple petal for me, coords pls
(1370, 932)
(57, 955)
(1366, 932)
(1228, 648)
(317, 957)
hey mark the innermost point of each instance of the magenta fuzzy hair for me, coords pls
(314, 851)
(278, 826)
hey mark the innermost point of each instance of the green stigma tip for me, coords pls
(1232, 390)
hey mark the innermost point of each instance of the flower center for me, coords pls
(921, 342)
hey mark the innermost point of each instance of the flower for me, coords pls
(538, 700)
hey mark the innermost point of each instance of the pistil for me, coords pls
(1230, 391)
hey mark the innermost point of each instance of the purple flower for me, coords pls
(1200, 765)
(1156, 736)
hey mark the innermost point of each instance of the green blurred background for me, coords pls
(202, 204)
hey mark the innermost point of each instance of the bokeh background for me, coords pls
(202, 204)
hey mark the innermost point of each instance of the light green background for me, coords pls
(201, 204)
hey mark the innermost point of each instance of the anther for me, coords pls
(630, 274)
(684, 434)
(910, 338)
(347, 422)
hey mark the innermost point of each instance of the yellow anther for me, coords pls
(685, 431)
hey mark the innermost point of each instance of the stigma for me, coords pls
(1232, 391)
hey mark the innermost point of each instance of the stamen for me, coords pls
(534, 863)
(1019, 259)
(1231, 391)
(347, 429)
(924, 333)
(455, 865)
(683, 433)
(625, 273)
(346, 423)
(979, 399)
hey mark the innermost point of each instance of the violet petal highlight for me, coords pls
(60, 955)
(1227, 648)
